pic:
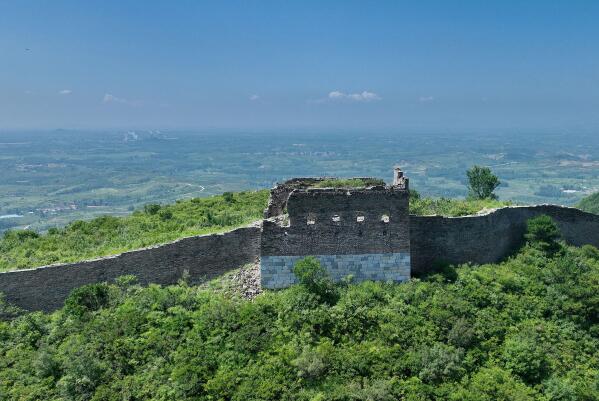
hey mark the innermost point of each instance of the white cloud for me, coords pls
(338, 96)
(108, 98)
(65, 92)
(254, 97)
(426, 99)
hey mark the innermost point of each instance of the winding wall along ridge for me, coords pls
(484, 238)
(201, 257)
(490, 237)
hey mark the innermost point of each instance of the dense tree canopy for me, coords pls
(525, 329)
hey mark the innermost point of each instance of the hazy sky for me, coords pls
(446, 65)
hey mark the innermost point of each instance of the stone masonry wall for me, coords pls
(368, 249)
(277, 271)
(277, 201)
(362, 232)
(491, 237)
(347, 235)
(203, 257)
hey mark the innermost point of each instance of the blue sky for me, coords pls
(438, 66)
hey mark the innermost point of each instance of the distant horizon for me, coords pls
(307, 130)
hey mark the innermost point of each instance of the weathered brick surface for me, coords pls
(277, 203)
(277, 271)
(347, 235)
(360, 232)
(491, 237)
(203, 257)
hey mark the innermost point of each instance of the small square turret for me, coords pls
(399, 180)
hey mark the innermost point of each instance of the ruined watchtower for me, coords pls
(361, 231)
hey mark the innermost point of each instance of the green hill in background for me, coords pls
(590, 203)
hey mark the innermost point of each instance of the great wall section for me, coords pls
(364, 232)
(198, 258)
(491, 237)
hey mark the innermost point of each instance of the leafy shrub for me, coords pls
(88, 298)
(560, 389)
(165, 214)
(494, 384)
(543, 233)
(20, 235)
(310, 364)
(151, 208)
(440, 362)
(315, 278)
(525, 353)
(228, 197)
(590, 251)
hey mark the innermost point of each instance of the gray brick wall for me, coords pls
(277, 271)
(347, 235)
(491, 237)
(202, 257)
(360, 232)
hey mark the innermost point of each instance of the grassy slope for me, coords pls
(347, 183)
(526, 329)
(590, 203)
(109, 235)
(452, 207)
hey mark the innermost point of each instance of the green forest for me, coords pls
(524, 329)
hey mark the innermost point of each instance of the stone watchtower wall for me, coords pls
(363, 232)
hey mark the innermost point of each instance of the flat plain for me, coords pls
(54, 177)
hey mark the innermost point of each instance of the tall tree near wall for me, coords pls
(481, 183)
